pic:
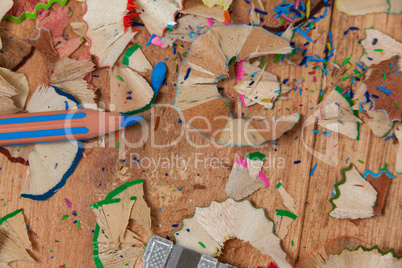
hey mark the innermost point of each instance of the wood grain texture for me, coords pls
(182, 179)
(373, 151)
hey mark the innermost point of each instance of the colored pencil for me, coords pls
(30, 128)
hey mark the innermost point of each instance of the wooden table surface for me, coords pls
(187, 176)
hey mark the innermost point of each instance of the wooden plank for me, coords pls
(374, 152)
(188, 170)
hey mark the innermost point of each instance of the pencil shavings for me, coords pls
(131, 93)
(383, 78)
(223, 3)
(14, 89)
(380, 184)
(44, 43)
(321, 255)
(108, 33)
(379, 123)
(398, 135)
(246, 177)
(28, 9)
(55, 20)
(14, 239)
(114, 234)
(378, 47)
(156, 15)
(210, 227)
(197, 96)
(364, 257)
(51, 164)
(215, 12)
(65, 47)
(68, 75)
(5, 6)
(188, 28)
(257, 85)
(136, 60)
(385, 93)
(354, 196)
(335, 113)
(361, 7)
(15, 52)
(282, 222)
(79, 28)
(378, 120)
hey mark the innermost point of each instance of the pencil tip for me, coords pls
(129, 120)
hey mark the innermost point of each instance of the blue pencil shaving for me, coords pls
(321, 17)
(390, 137)
(303, 7)
(187, 74)
(351, 94)
(324, 70)
(317, 60)
(150, 39)
(383, 89)
(260, 11)
(304, 35)
(312, 171)
(137, 24)
(360, 66)
(367, 95)
(376, 175)
(351, 29)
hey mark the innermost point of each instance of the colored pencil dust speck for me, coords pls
(202, 244)
(120, 78)
(285, 213)
(65, 217)
(187, 74)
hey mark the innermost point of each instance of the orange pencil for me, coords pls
(43, 127)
